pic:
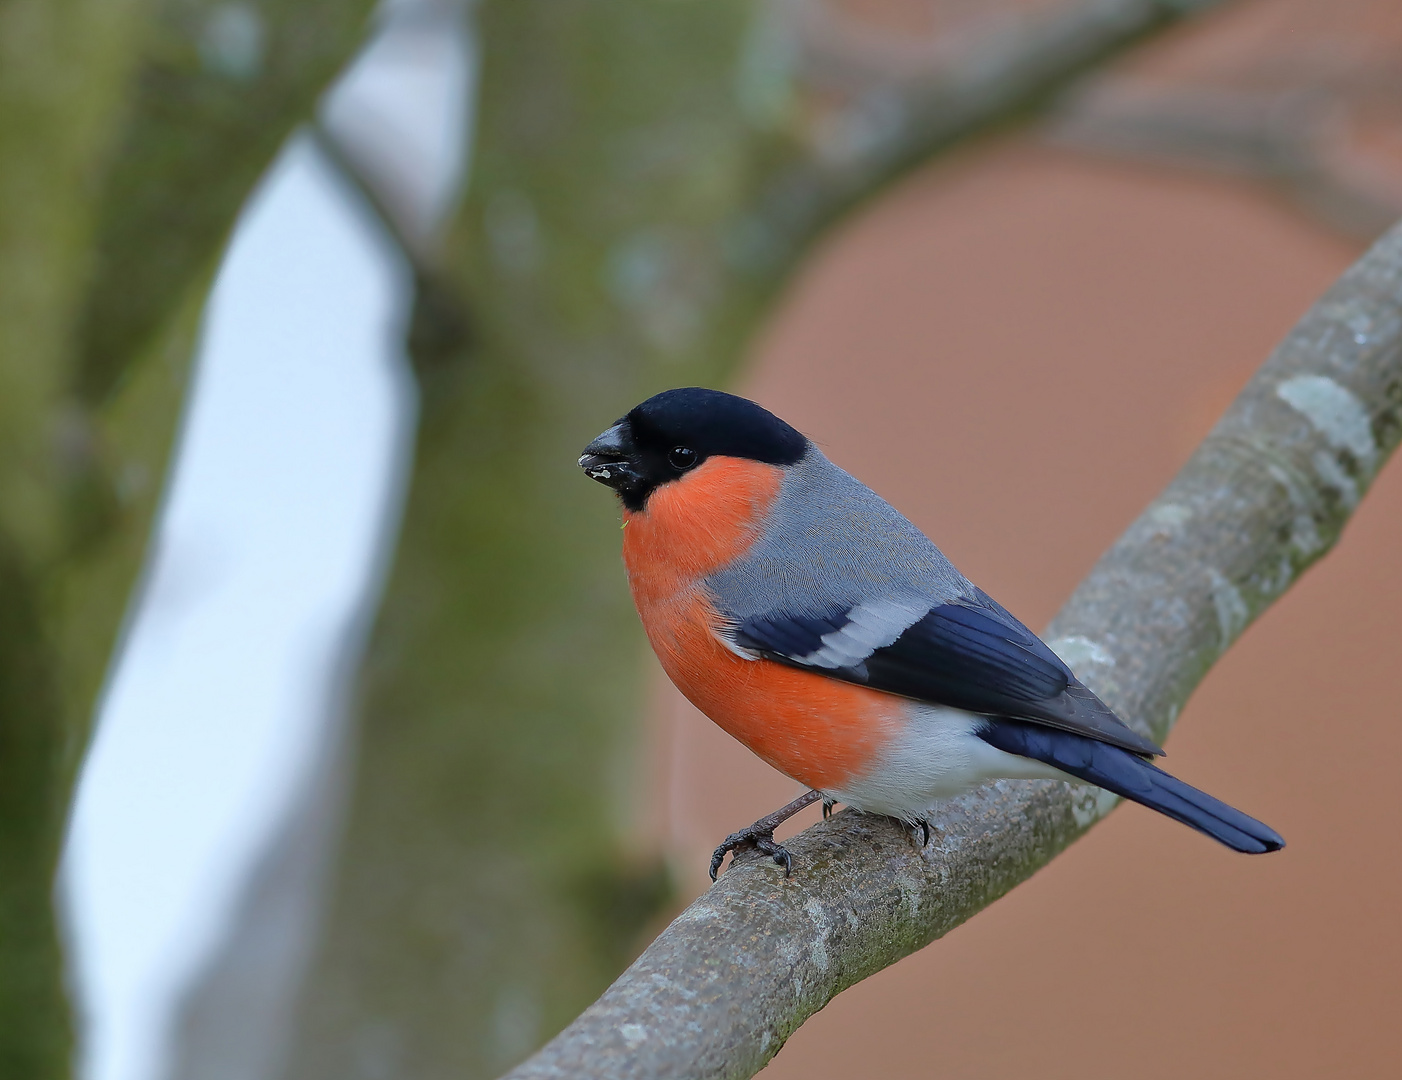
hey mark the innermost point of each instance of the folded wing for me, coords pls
(968, 654)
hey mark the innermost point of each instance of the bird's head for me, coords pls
(668, 435)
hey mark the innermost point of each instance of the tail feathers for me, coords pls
(1132, 777)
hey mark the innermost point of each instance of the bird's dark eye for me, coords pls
(681, 458)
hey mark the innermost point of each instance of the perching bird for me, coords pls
(808, 618)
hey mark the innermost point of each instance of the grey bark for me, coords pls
(1264, 496)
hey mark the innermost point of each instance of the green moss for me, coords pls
(220, 87)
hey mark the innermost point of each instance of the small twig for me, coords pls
(881, 104)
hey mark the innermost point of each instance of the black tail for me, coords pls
(1130, 776)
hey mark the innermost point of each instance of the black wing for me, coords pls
(970, 654)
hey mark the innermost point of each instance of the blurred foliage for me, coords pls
(129, 141)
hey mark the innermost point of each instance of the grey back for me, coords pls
(831, 543)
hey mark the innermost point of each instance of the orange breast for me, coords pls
(818, 730)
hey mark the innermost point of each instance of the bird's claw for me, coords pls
(761, 834)
(924, 827)
(828, 804)
(763, 839)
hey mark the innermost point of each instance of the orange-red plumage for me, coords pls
(816, 729)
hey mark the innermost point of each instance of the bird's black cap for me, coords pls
(674, 431)
(713, 422)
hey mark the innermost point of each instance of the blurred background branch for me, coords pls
(440, 323)
(1304, 96)
(720, 990)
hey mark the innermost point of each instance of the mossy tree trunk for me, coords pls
(128, 142)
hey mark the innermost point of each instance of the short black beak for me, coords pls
(607, 458)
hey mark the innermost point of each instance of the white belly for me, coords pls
(936, 757)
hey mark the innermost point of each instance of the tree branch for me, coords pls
(440, 323)
(219, 88)
(1265, 495)
(870, 104)
(1274, 106)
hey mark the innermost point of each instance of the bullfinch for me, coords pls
(808, 618)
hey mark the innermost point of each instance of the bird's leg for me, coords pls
(761, 835)
(828, 804)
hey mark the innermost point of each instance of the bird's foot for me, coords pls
(828, 804)
(752, 837)
(761, 835)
